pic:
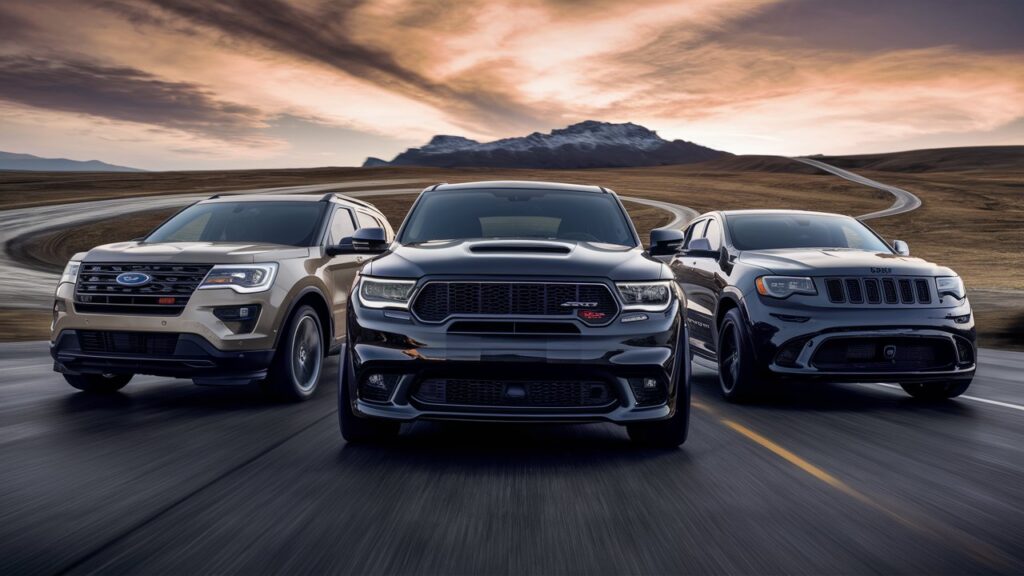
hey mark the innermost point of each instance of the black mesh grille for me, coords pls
(167, 292)
(147, 343)
(524, 393)
(892, 354)
(440, 300)
(879, 290)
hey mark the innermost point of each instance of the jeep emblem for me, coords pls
(881, 270)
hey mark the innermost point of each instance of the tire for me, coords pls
(738, 377)
(98, 383)
(295, 371)
(939, 391)
(670, 433)
(355, 429)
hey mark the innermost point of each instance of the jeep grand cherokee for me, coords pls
(516, 301)
(230, 290)
(789, 294)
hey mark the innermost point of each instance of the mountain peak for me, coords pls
(587, 144)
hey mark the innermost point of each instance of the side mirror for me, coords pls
(364, 241)
(700, 248)
(901, 247)
(665, 241)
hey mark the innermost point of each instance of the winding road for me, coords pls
(904, 201)
(167, 477)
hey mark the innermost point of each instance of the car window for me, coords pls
(714, 234)
(773, 231)
(264, 222)
(694, 230)
(367, 221)
(515, 213)
(341, 226)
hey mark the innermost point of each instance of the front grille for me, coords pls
(879, 290)
(593, 304)
(167, 292)
(147, 343)
(511, 393)
(885, 354)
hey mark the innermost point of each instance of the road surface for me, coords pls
(167, 477)
(904, 201)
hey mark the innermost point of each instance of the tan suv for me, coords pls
(231, 290)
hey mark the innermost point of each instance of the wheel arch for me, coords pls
(315, 299)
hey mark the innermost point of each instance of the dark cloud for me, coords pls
(878, 25)
(124, 94)
(325, 35)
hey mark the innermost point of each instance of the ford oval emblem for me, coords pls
(133, 279)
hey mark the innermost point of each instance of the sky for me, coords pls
(200, 84)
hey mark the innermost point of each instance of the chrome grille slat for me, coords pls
(98, 292)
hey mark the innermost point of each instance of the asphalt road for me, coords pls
(903, 201)
(172, 478)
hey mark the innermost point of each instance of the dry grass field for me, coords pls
(970, 220)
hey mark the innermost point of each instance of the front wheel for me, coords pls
(98, 383)
(940, 391)
(295, 371)
(355, 429)
(738, 376)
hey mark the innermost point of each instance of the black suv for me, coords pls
(773, 294)
(516, 301)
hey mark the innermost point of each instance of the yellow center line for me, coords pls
(982, 551)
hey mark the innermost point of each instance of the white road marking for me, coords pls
(965, 397)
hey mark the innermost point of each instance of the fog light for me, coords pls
(246, 316)
(378, 387)
(634, 317)
(964, 319)
(647, 391)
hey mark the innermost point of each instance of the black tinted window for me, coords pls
(286, 223)
(548, 214)
(776, 231)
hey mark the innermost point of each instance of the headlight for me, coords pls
(378, 293)
(242, 278)
(951, 285)
(649, 296)
(784, 286)
(71, 272)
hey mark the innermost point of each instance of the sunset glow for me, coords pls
(182, 84)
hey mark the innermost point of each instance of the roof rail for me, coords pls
(214, 197)
(436, 186)
(327, 198)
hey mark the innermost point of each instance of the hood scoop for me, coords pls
(520, 248)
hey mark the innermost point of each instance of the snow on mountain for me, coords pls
(588, 144)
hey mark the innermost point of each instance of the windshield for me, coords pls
(543, 214)
(777, 231)
(258, 222)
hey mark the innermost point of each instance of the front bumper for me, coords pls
(191, 357)
(620, 356)
(790, 340)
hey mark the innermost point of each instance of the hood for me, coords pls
(517, 258)
(193, 252)
(831, 262)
